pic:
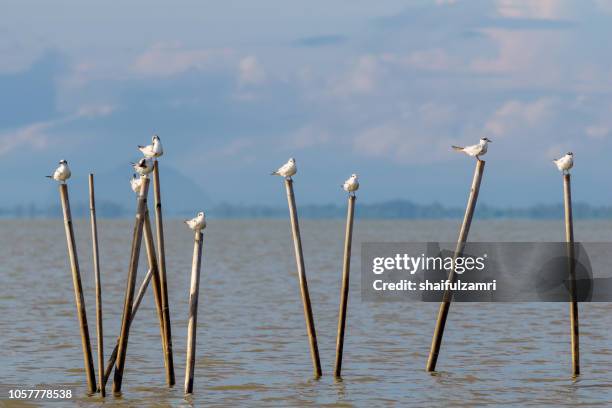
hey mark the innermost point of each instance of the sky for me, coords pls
(381, 89)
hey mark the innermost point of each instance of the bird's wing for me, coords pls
(473, 149)
(284, 168)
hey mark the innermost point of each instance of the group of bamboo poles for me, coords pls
(301, 270)
(156, 273)
(444, 309)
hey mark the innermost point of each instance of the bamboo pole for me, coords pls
(96, 262)
(135, 306)
(161, 258)
(78, 289)
(569, 238)
(344, 293)
(436, 341)
(131, 282)
(192, 327)
(152, 259)
(299, 258)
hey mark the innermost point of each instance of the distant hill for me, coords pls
(114, 197)
(403, 209)
(173, 206)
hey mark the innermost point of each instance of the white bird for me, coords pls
(143, 167)
(351, 184)
(476, 150)
(153, 150)
(136, 183)
(565, 163)
(197, 223)
(286, 170)
(62, 173)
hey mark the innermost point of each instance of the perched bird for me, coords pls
(197, 223)
(351, 184)
(286, 170)
(143, 167)
(565, 163)
(136, 182)
(62, 173)
(476, 150)
(153, 150)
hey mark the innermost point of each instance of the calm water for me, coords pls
(252, 344)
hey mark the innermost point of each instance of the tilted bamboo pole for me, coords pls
(131, 283)
(299, 258)
(344, 292)
(135, 306)
(447, 297)
(153, 265)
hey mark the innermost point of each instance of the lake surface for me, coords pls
(252, 344)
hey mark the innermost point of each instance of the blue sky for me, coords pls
(377, 88)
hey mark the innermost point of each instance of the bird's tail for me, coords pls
(140, 146)
(274, 173)
(49, 176)
(458, 148)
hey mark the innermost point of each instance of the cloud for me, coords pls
(250, 71)
(515, 115)
(235, 147)
(92, 111)
(36, 135)
(32, 136)
(361, 78)
(528, 58)
(168, 59)
(597, 131)
(544, 9)
(402, 143)
(604, 5)
(432, 59)
(320, 40)
(307, 136)
(17, 54)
